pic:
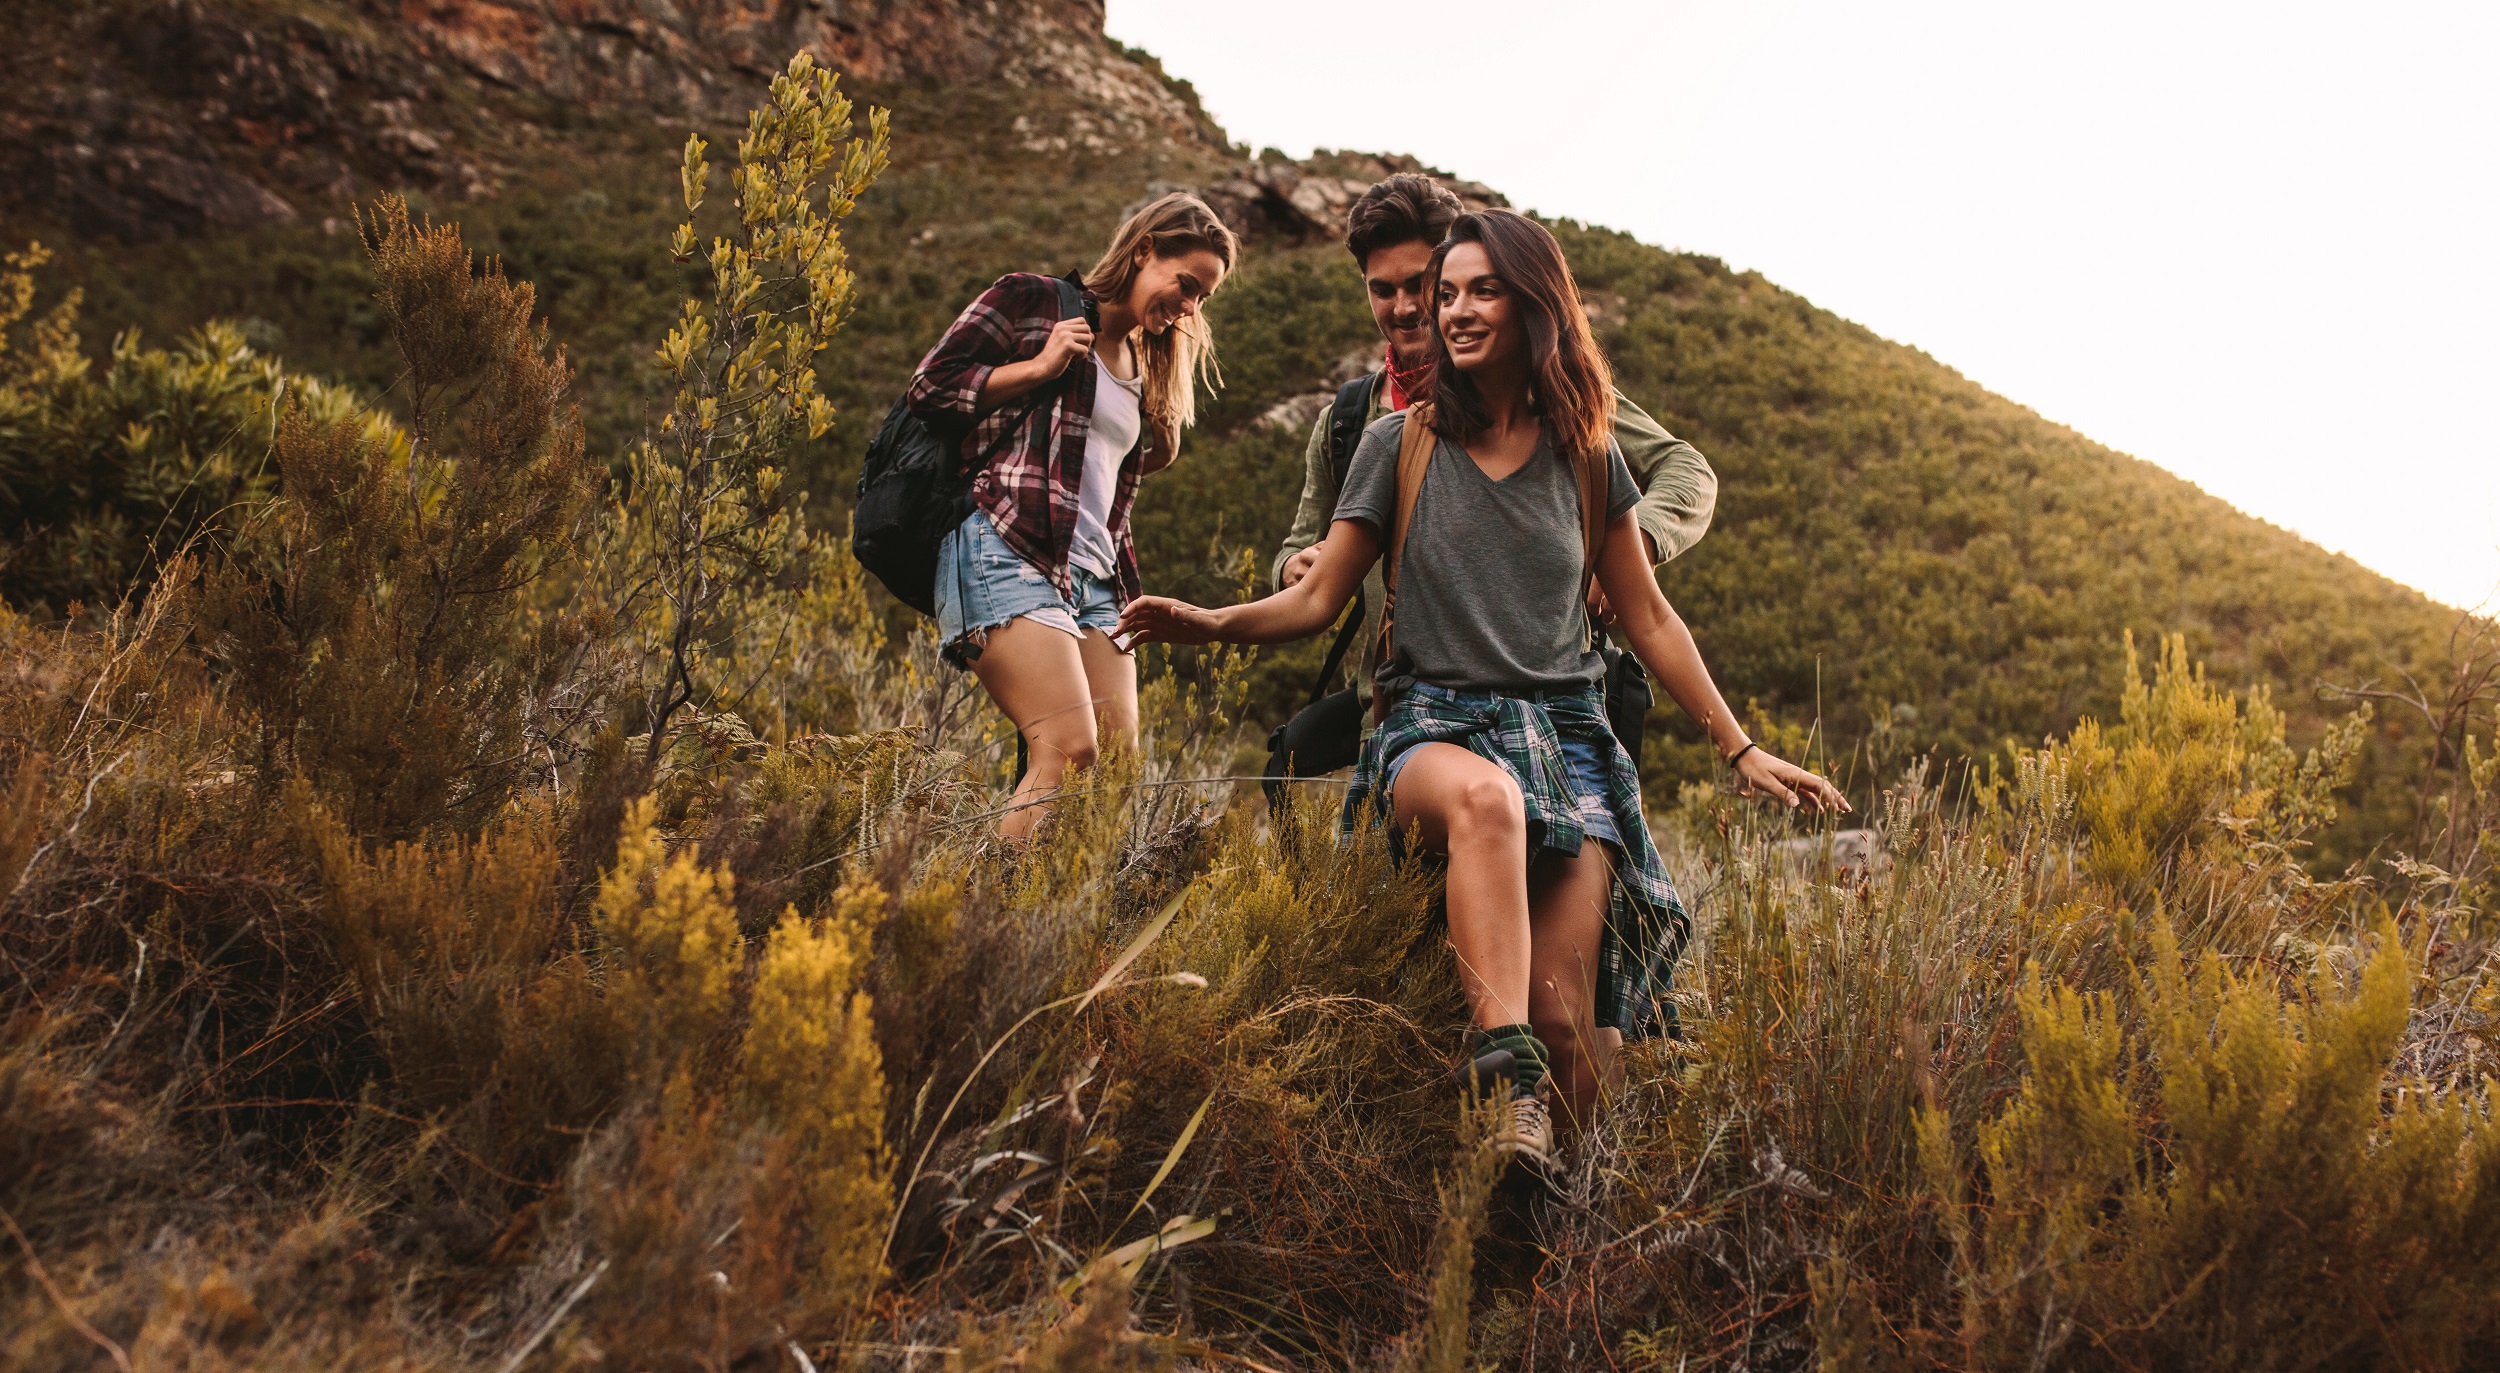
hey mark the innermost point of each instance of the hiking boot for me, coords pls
(1529, 1132)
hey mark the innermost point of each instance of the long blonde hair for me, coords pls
(1177, 360)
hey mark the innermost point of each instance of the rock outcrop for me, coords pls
(170, 118)
(1311, 198)
(179, 119)
(707, 57)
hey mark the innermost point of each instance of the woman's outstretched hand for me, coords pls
(1162, 620)
(1760, 773)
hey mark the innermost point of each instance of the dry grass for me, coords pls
(815, 1065)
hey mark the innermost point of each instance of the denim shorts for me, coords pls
(1588, 785)
(982, 584)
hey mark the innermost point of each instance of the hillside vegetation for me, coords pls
(1900, 557)
(485, 884)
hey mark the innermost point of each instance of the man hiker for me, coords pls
(1392, 231)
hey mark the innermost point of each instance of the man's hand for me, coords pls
(1070, 339)
(1299, 566)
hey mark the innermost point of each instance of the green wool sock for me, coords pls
(1526, 1050)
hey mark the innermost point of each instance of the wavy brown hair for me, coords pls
(1179, 358)
(1406, 208)
(1569, 382)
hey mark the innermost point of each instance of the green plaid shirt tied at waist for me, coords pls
(1646, 927)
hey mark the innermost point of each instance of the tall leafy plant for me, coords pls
(705, 538)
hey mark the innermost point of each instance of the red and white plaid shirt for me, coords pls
(1029, 488)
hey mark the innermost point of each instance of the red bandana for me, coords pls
(1404, 385)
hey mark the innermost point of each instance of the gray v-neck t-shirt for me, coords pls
(1489, 592)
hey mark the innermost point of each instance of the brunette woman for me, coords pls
(1032, 582)
(1495, 746)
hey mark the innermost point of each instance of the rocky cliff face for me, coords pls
(154, 119)
(709, 56)
(167, 118)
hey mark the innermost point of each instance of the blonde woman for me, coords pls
(1073, 414)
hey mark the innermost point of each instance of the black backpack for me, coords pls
(914, 487)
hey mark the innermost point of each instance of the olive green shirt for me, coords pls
(1678, 493)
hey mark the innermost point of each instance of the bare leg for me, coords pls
(1037, 676)
(1610, 1058)
(1526, 940)
(1111, 678)
(1470, 810)
(1566, 916)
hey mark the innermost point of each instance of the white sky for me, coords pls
(2253, 243)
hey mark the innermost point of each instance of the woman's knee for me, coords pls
(1069, 745)
(1488, 805)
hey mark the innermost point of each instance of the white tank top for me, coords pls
(1118, 419)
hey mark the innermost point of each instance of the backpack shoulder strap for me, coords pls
(1414, 459)
(1593, 473)
(1071, 297)
(1415, 447)
(1592, 479)
(1345, 423)
(1345, 434)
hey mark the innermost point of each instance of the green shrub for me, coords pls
(2223, 1179)
(106, 473)
(702, 541)
(373, 614)
(811, 1063)
(2189, 767)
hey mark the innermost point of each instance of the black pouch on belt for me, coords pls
(1325, 735)
(1628, 699)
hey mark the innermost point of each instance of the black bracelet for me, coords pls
(1731, 758)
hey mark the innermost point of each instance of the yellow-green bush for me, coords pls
(812, 1066)
(703, 535)
(106, 473)
(2222, 1179)
(2189, 766)
(672, 936)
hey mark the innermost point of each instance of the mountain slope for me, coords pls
(1910, 548)
(1911, 560)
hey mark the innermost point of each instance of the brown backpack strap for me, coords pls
(1415, 447)
(1593, 473)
